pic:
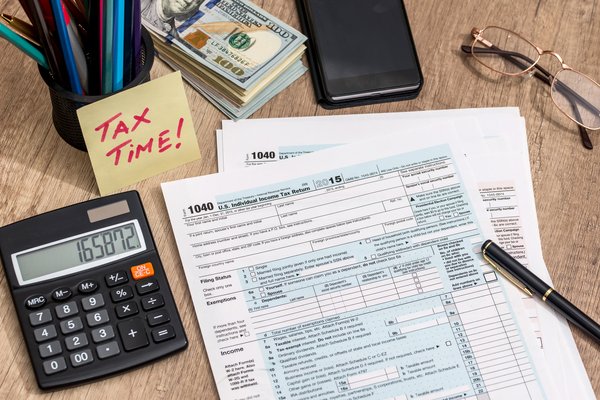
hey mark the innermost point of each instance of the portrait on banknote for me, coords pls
(163, 14)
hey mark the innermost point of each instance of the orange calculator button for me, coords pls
(142, 271)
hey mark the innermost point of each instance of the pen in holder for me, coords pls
(66, 103)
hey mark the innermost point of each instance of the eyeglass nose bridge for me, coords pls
(556, 55)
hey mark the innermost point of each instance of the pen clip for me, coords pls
(505, 274)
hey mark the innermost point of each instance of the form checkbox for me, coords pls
(252, 273)
(254, 279)
(262, 289)
(368, 241)
(263, 294)
(490, 276)
(251, 268)
(373, 256)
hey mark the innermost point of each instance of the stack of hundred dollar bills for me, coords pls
(234, 53)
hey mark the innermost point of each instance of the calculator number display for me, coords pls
(78, 253)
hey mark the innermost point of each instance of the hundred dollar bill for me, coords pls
(233, 38)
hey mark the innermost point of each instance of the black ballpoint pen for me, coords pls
(531, 284)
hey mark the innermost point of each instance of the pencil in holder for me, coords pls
(66, 103)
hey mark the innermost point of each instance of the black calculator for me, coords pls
(90, 290)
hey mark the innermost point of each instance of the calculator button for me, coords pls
(126, 309)
(55, 365)
(71, 325)
(81, 358)
(103, 333)
(107, 350)
(66, 310)
(92, 302)
(40, 317)
(163, 333)
(35, 301)
(142, 271)
(116, 278)
(122, 293)
(158, 317)
(61, 294)
(88, 286)
(76, 341)
(133, 334)
(97, 318)
(152, 302)
(50, 349)
(146, 286)
(44, 333)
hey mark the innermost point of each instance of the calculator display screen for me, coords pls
(79, 252)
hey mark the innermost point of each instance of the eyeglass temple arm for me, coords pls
(543, 75)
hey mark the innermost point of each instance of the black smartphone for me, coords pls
(360, 51)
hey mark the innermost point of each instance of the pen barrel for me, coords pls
(574, 314)
(514, 268)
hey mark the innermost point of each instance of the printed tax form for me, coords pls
(352, 273)
(495, 143)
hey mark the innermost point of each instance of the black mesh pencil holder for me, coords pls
(65, 103)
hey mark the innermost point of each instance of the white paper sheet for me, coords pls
(352, 273)
(500, 162)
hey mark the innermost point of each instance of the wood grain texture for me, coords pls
(39, 172)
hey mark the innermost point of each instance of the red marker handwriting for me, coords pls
(133, 144)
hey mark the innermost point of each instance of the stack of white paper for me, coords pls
(353, 272)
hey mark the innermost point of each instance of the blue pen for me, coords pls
(118, 45)
(107, 50)
(23, 45)
(65, 44)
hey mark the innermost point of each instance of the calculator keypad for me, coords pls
(86, 324)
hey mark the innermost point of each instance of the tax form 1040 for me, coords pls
(351, 273)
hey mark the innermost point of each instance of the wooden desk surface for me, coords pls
(39, 172)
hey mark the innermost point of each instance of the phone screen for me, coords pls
(364, 47)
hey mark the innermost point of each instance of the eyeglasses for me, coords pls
(576, 95)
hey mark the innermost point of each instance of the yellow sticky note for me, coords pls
(139, 133)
